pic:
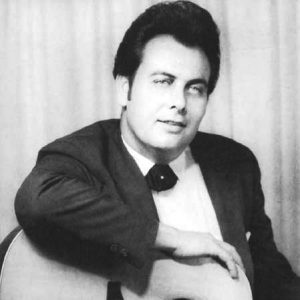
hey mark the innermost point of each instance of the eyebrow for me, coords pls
(190, 82)
(163, 73)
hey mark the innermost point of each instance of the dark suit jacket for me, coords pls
(86, 189)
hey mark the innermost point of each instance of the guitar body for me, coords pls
(28, 274)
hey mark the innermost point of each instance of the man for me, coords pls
(150, 187)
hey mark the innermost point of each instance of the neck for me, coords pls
(162, 156)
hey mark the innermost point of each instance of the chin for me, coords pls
(171, 146)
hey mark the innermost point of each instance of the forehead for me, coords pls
(164, 54)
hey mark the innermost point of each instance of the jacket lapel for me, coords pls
(223, 188)
(129, 180)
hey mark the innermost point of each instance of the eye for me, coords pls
(163, 81)
(199, 90)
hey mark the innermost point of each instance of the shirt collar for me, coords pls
(178, 165)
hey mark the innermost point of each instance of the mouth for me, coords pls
(173, 123)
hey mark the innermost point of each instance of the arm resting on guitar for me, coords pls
(60, 194)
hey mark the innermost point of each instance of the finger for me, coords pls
(224, 256)
(236, 257)
(231, 265)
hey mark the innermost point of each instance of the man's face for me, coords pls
(167, 99)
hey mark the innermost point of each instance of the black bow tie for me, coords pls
(161, 178)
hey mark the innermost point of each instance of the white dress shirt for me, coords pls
(187, 205)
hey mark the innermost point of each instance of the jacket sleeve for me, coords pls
(61, 197)
(273, 275)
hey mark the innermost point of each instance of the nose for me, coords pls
(179, 101)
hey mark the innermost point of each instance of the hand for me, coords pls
(195, 244)
(187, 244)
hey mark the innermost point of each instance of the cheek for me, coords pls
(197, 112)
(140, 115)
(143, 108)
(141, 101)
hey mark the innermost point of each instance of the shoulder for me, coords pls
(90, 140)
(98, 130)
(220, 149)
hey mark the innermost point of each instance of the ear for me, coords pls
(122, 84)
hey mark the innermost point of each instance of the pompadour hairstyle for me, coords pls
(187, 22)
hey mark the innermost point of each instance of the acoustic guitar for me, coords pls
(29, 274)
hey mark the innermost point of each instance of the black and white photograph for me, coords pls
(149, 149)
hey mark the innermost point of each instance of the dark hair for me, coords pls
(187, 22)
